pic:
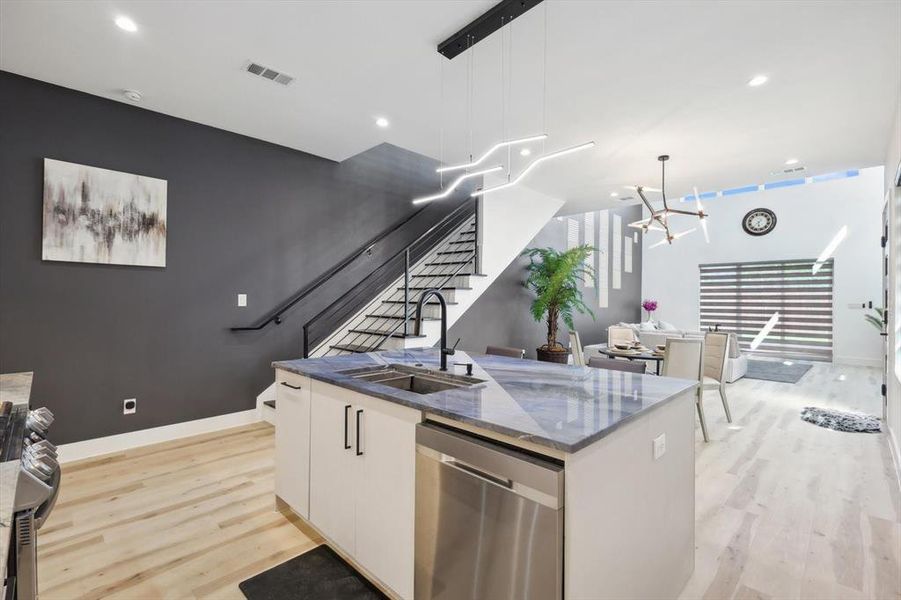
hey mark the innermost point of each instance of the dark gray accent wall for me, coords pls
(501, 315)
(244, 216)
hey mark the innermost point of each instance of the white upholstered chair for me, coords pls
(716, 353)
(684, 359)
(620, 335)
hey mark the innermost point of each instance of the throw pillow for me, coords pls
(647, 326)
(665, 325)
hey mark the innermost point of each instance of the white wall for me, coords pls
(808, 216)
(893, 197)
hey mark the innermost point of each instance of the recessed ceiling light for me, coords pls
(525, 152)
(381, 122)
(792, 161)
(758, 80)
(133, 95)
(125, 23)
(614, 194)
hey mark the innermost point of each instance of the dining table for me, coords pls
(640, 353)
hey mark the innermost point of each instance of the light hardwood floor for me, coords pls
(186, 519)
(785, 509)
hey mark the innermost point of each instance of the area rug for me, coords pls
(319, 574)
(772, 370)
(841, 421)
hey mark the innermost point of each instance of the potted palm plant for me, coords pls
(554, 277)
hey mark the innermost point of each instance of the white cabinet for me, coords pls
(332, 486)
(362, 480)
(292, 441)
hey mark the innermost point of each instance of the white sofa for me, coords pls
(736, 364)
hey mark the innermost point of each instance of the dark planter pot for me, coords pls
(551, 356)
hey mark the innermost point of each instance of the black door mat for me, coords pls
(319, 574)
(770, 370)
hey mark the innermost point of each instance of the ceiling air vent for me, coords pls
(267, 73)
(788, 171)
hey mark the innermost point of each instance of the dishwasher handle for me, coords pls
(501, 465)
(470, 470)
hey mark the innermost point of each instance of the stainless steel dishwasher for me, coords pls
(489, 520)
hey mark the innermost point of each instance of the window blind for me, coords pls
(742, 297)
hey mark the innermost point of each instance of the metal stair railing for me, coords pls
(322, 326)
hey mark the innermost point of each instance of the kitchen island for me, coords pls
(346, 460)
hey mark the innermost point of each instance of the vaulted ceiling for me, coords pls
(638, 78)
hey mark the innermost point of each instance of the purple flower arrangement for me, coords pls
(650, 306)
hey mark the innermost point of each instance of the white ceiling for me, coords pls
(638, 78)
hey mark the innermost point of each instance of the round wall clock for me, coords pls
(759, 221)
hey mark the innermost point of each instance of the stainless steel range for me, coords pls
(29, 484)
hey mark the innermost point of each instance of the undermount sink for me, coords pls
(412, 379)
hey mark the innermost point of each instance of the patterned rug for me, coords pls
(841, 421)
(772, 370)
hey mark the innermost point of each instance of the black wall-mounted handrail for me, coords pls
(276, 315)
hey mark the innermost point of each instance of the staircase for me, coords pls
(388, 321)
(462, 256)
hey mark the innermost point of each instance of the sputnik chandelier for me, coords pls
(505, 26)
(659, 219)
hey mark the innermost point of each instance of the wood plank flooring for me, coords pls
(186, 519)
(785, 509)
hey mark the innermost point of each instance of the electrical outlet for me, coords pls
(659, 446)
(242, 299)
(129, 406)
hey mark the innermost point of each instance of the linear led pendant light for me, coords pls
(499, 16)
(531, 166)
(455, 183)
(492, 150)
(659, 219)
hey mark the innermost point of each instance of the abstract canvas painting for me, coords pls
(100, 216)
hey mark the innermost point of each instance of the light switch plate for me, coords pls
(242, 299)
(659, 446)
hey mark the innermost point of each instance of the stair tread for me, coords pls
(453, 275)
(351, 348)
(396, 334)
(400, 317)
(427, 302)
(443, 288)
(442, 252)
(462, 242)
(450, 262)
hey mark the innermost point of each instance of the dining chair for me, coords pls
(684, 358)
(611, 364)
(506, 351)
(619, 335)
(716, 353)
(575, 346)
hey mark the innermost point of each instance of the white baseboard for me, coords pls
(154, 435)
(857, 361)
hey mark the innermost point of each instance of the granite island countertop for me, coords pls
(15, 388)
(558, 406)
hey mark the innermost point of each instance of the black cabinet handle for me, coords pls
(359, 412)
(293, 387)
(346, 444)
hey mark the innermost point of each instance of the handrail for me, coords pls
(469, 206)
(276, 315)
